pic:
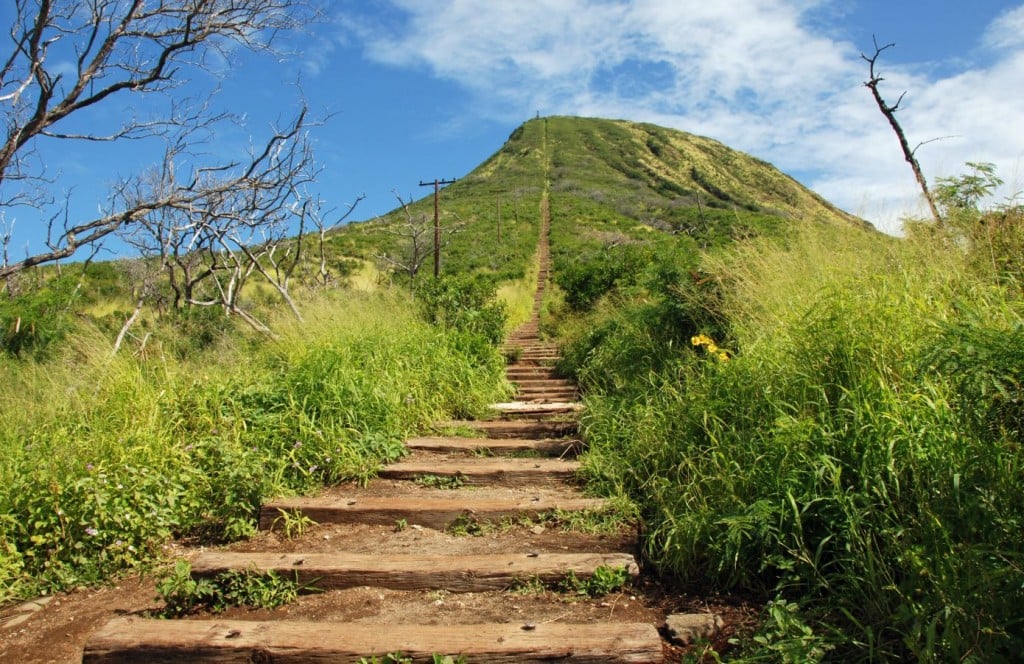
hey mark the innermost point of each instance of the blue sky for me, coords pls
(418, 90)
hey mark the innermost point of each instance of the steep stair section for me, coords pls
(373, 543)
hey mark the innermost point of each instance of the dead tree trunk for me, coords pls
(890, 114)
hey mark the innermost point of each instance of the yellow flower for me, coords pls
(723, 356)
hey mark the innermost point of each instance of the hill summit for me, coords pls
(664, 178)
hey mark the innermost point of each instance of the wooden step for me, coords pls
(515, 429)
(454, 573)
(526, 383)
(132, 639)
(436, 513)
(528, 408)
(539, 362)
(495, 446)
(566, 394)
(486, 470)
(514, 374)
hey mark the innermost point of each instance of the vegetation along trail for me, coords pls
(660, 394)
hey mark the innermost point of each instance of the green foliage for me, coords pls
(441, 481)
(859, 455)
(182, 594)
(105, 458)
(292, 523)
(785, 637)
(992, 238)
(985, 366)
(464, 304)
(590, 276)
(32, 323)
(605, 580)
(658, 304)
(965, 192)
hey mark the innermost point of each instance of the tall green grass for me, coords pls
(103, 458)
(858, 455)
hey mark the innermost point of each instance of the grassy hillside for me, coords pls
(832, 423)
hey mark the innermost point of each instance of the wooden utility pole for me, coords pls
(499, 217)
(437, 221)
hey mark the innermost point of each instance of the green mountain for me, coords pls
(612, 181)
(608, 183)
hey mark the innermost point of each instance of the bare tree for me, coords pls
(889, 111)
(219, 226)
(318, 217)
(67, 57)
(416, 238)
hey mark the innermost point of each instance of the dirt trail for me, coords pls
(408, 566)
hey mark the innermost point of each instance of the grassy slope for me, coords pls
(854, 456)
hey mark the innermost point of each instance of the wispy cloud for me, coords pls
(759, 75)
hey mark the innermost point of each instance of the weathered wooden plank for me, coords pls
(553, 396)
(486, 470)
(465, 573)
(132, 639)
(515, 429)
(545, 446)
(544, 382)
(528, 408)
(430, 512)
(528, 370)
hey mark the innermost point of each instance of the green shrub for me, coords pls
(35, 321)
(105, 458)
(858, 454)
(464, 304)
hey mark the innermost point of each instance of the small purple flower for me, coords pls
(297, 444)
(91, 532)
(89, 466)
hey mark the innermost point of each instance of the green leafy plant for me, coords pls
(532, 585)
(455, 481)
(603, 581)
(293, 523)
(785, 637)
(465, 525)
(182, 594)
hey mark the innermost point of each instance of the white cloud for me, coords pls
(750, 73)
(1007, 31)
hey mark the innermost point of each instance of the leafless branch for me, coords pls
(874, 78)
(67, 56)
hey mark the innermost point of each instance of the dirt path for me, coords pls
(407, 565)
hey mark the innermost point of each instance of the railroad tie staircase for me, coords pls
(519, 464)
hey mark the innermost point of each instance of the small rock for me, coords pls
(685, 628)
(416, 526)
(537, 530)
